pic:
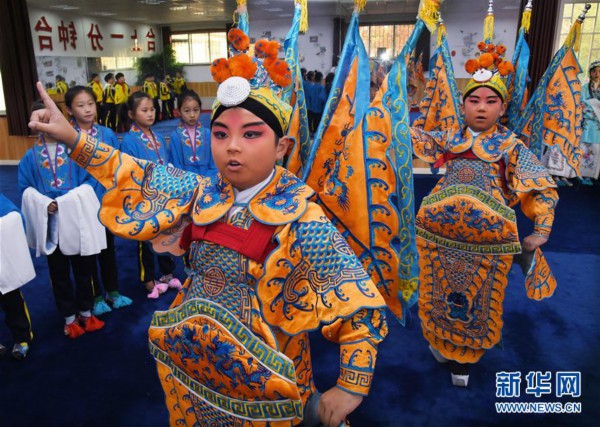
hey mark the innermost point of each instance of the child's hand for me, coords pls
(52, 208)
(51, 121)
(532, 242)
(335, 404)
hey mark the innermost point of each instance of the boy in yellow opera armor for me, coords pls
(268, 267)
(466, 231)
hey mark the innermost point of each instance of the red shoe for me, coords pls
(73, 330)
(91, 324)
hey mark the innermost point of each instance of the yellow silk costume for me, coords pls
(467, 235)
(233, 348)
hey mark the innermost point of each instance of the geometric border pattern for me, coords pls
(257, 411)
(475, 192)
(272, 359)
(501, 249)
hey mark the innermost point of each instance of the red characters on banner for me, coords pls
(45, 41)
(95, 37)
(67, 35)
(151, 43)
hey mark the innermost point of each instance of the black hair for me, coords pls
(119, 75)
(258, 109)
(76, 90)
(108, 77)
(473, 89)
(188, 94)
(93, 76)
(132, 104)
(60, 78)
(38, 104)
(148, 75)
(318, 76)
(310, 75)
(329, 81)
(590, 85)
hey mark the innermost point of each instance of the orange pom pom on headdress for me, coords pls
(272, 49)
(490, 57)
(260, 48)
(486, 59)
(238, 39)
(242, 66)
(219, 69)
(505, 68)
(471, 66)
(279, 71)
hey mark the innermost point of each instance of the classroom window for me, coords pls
(385, 41)
(117, 63)
(589, 50)
(199, 48)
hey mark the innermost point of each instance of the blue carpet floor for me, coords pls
(108, 378)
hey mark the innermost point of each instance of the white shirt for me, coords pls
(475, 134)
(244, 196)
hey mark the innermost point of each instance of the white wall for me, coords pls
(464, 25)
(71, 68)
(312, 57)
(197, 73)
(82, 45)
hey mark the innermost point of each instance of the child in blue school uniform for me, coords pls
(16, 270)
(82, 111)
(189, 145)
(143, 143)
(46, 172)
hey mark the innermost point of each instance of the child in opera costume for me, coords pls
(268, 267)
(466, 229)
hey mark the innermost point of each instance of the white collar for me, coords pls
(475, 134)
(244, 196)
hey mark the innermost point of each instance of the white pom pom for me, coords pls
(233, 91)
(482, 75)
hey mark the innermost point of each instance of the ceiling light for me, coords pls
(178, 8)
(151, 2)
(64, 7)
